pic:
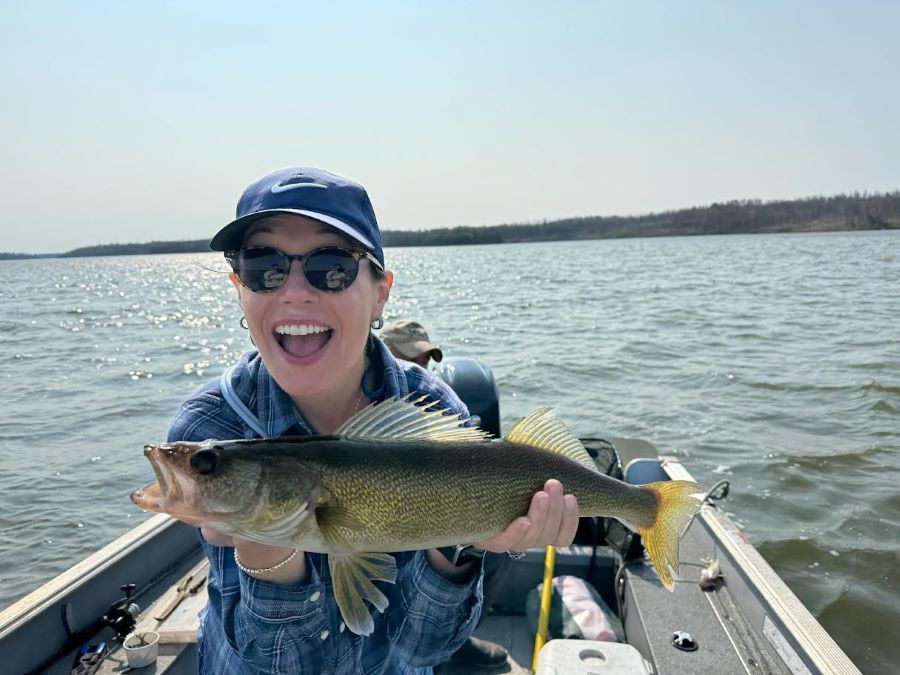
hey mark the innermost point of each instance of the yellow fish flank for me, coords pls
(400, 477)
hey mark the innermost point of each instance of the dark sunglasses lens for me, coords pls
(261, 269)
(330, 269)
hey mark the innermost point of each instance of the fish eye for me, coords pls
(205, 462)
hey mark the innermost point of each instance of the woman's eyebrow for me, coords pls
(257, 229)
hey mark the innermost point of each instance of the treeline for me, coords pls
(857, 211)
(843, 212)
(18, 256)
(150, 248)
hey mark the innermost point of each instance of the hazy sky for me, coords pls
(127, 122)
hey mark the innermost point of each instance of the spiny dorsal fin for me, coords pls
(400, 419)
(541, 430)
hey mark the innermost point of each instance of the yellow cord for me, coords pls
(546, 595)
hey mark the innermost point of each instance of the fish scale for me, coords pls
(430, 495)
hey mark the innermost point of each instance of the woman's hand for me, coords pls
(551, 521)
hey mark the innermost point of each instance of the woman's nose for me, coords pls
(296, 285)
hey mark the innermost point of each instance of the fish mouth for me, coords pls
(166, 492)
(153, 453)
(150, 497)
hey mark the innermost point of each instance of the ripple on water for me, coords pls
(835, 589)
(881, 388)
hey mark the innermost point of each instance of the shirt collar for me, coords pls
(383, 378)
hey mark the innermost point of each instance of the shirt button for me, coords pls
(324, 635)
(315, 596)
(343, 626)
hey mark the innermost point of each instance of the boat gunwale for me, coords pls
(779, 604)
(79, 573)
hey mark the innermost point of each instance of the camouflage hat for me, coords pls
(410, 339)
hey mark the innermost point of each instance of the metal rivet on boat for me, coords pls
(315, 596)
(324, 634)
(683, 640)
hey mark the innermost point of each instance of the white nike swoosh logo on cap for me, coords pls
(290, 186)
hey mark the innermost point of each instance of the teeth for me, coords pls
(299, 329)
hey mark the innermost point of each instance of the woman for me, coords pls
(309, 271)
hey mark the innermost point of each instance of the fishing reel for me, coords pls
(122, 614)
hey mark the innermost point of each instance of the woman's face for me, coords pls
(327, 357)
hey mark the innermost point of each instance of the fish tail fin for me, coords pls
(676, 506)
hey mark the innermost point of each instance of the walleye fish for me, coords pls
(399, 476)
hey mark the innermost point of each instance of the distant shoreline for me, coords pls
(839, 213)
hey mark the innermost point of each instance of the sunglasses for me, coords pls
(331, 269)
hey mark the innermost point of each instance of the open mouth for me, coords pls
(153, 497)
(149, 497)
(172, 493)
(302, 340)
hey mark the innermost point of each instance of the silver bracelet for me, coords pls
(263, 570)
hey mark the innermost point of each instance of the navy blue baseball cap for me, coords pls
(331, 199)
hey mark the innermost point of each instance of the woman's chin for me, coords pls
(312, 374)
(303, 375)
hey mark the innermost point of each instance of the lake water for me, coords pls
(770, 360)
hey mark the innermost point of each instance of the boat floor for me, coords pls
(512, 633)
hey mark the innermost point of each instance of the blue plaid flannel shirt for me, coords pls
(254, 626)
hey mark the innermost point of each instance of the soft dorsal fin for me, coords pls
(400, 419)
(542, 430)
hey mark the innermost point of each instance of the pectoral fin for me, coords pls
(336, 524)
(352, 576)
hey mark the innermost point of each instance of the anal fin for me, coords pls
(353, 576)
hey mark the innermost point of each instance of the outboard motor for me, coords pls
(474, 383)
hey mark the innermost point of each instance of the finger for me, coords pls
(504, 541)
(537, 514)
(555, 512)
(569, 523)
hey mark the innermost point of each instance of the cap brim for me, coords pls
(230, 237)
(413, 349)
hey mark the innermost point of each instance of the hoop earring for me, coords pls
(377, 323)
(243, 323)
